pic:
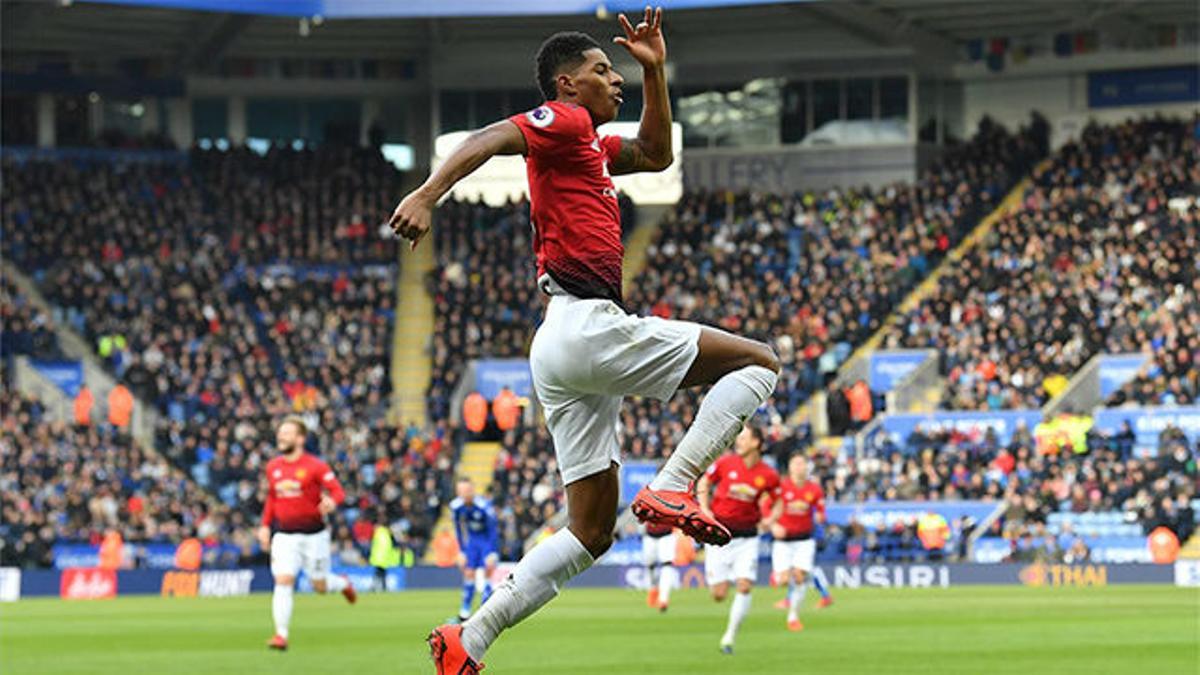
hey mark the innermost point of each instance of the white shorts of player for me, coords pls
(793, 555)
(293, 551)
(658, 550)
(736, 560)
(586, 356)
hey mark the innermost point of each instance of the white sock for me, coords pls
(335, 583)
(722, 413)
(737, 611)
(480, 580)
(796, 600)
(532, 583)
(666, 579)
(281, 609)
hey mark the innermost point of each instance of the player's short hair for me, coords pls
(757, 431)
(561, 50)
(298, 422)
(465, 479)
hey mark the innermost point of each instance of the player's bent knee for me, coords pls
(285, 580)
(801, 576)
(765, 356)
(319, 585)
(744, 585)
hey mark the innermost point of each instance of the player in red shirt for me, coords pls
(799, 507)
(739, 483)
(301, 491)
(588, 352)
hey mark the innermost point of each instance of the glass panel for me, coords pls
(210, 118)
(793, 122)
(273, 118)
(734, 116)
(859, 99)
(826, 102)
(455, 111)
(893, 98)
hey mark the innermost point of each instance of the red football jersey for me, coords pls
(573, 203)
(293, 492)
(738, 489)
(800, 504)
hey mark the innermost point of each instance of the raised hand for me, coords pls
(645, 41)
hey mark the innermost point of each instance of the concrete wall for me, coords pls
(784, 169)
(1057, 88)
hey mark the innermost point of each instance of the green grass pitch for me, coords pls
(1121, 629)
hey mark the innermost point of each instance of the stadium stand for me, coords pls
(63, 484)
(1097, 258)
(231, 289)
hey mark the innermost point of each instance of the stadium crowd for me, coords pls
(951, 465)
(229, 289)
(1098, 257)
(65, 483)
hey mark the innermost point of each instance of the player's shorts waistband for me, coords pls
(316, 529)
(796, 537)
(551, 287)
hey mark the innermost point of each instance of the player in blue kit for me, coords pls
(475, 525)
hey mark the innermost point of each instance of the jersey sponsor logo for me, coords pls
(288, 488)
(798, 507)
(743, 492)
(540, 117)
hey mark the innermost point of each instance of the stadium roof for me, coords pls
(210, 28)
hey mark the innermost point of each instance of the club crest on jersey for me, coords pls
(540, 117)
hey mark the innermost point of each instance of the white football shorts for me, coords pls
(658, 550)
(295, 551)
(736, 560)
(793, 555)
(588, 355)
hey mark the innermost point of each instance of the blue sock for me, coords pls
(820, 586)
(487, 593)
(468, 596)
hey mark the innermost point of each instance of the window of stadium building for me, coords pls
(735, 116)
(467, 110)
(774, 111)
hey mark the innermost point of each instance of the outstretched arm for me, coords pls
(651, 150)
(412, 218)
